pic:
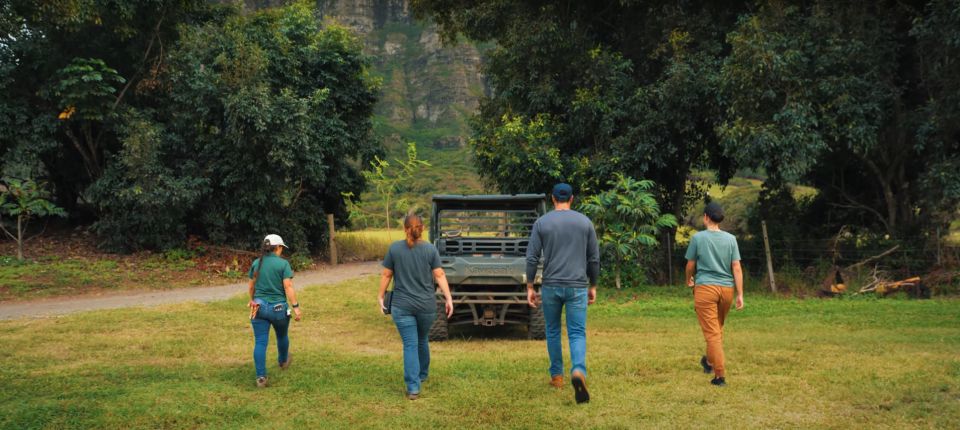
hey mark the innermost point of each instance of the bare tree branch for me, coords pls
(875, 257)
(6, 231)
(857, 205)
(44, 229)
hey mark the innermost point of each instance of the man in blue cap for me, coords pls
(571, 265)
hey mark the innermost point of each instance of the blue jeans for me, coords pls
(414, 328)
(265, 318)
(553, 301)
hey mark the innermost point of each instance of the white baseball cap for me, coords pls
(273, 239)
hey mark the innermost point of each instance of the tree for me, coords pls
(584, 90)
(833, 93)
(95, 56)
(938, 50)
(388, 181)
(261, 121)
(86, 91)
(24, 200)
(627, 218)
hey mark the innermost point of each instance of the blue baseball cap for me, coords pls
(562, 192)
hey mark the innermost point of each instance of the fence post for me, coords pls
(939, 261)
(766, 248)
(669, 259)
(333, 240)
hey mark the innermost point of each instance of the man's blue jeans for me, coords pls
(265, 318)
(575, 300)
(414, 328)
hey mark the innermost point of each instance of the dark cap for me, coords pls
(714, 212)
(562, 192)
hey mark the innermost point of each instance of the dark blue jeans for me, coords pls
(414, 328)
(554, 299)
(265, 318)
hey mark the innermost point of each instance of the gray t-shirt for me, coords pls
(571, 254)
(413, 287)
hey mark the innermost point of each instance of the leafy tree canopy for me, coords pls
(176, 117)
(856, 98)
(265, 121)
(585, 90)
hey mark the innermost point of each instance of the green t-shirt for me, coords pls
(413, 288)
(714, 252)
(269, 285)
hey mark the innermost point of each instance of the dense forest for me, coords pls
(176, 118)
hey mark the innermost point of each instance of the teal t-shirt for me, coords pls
(269, 285)
(714, 252)
(413, 288)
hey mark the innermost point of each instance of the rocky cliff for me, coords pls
(429, 90)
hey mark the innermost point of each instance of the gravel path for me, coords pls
(67, 305)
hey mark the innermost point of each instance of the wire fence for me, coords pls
(811, 259)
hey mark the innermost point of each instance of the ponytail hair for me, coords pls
(265, 249)
(413, 229)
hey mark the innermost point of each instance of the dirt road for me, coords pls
(66, 305)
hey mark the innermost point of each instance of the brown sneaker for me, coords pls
(557, 381)
(580, 387)
(262, 382)
(413, 396)
(286, 364)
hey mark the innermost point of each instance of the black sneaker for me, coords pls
(707, 368)
(580, 392)
(719, 381)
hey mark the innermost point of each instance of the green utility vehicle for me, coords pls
(482, 241)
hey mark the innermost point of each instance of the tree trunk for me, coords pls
(886, 187)
(891, 202)
(387, 211)
(616, 277)
(88, 164)
(20, 238)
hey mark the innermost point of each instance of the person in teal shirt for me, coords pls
(713, 270)
(271, 289)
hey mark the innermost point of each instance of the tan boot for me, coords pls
(557, 381)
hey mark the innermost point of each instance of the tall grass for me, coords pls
(366, 245)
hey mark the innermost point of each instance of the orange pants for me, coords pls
(712, 304)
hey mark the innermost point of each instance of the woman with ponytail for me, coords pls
(271, 289)
(414, 266)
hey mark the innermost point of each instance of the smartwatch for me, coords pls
(295, 305)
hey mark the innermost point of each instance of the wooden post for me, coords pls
(938, 247)
(766, 248)
(333, 240)
(669, 259)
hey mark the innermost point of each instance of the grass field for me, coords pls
(851, 363)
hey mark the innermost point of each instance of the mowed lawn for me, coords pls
(890, 363)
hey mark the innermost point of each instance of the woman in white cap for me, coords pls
(271, 289)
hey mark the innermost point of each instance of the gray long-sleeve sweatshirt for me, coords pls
(571, 255)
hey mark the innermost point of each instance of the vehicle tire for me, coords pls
(536, 328)
(438, 331)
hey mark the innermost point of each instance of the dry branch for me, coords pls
(875, 257)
